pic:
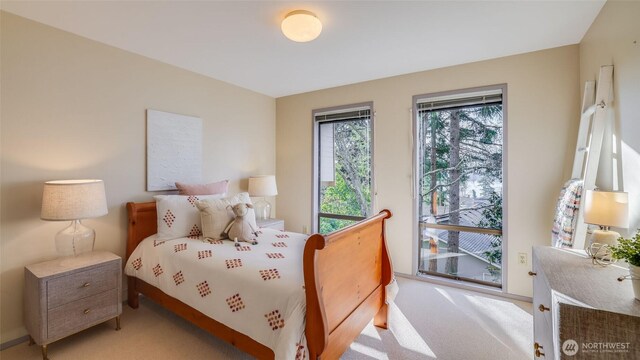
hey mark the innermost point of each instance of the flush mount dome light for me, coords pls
(301, 26)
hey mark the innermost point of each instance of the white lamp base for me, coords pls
(600, 242)
(605, 237)
(75, 239)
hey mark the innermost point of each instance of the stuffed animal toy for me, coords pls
(240, 229)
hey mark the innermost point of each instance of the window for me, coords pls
(343, 159)
(459, 172)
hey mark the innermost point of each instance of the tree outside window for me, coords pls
(460, 187)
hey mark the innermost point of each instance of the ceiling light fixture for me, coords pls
(301, 26)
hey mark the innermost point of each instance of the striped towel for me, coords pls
(566, 217)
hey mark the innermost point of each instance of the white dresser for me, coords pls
(581, 310)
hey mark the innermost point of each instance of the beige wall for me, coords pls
(75, 108)
(543, 104)
(614, 38)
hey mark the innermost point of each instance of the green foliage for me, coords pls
(628, 249)
(495, 272)
(330, 225)
(455, 146)
(352, 141)
(351, 192)
(480, 148)
(337, 199)
(493, 219)
(493, 214)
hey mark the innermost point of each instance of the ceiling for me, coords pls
(240, 42)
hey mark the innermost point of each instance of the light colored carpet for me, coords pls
(426, 322)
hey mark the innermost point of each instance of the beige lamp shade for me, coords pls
(301, 26)
(607, 208)
(73, 200)
(264, 185)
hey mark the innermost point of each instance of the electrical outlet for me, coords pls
(522, 258)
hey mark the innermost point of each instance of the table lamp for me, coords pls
(73, 200)
(261, 186)
(606, 209)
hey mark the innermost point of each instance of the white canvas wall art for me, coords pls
(174, 150)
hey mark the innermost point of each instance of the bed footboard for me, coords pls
(345, 274)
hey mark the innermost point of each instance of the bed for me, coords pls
(342, 293)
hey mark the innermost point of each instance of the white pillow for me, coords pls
(216, 215)
(178, 215)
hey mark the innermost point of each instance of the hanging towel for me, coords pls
(564, 223)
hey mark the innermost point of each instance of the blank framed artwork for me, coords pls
(174, 150)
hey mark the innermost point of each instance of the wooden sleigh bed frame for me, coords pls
(345, 275)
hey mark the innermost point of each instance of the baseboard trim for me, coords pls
(14, 342)
(471, 287)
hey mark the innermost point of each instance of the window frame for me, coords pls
(315, 195)
(451, 280)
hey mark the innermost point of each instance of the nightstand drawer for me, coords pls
(81, 314)
(76, 286)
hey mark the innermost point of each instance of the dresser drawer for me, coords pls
(81, 314)
(543, 337)
(79, 285)
(542, 301)
(542, 320)
(541, 294)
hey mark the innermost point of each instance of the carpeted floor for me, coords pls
(426, 322)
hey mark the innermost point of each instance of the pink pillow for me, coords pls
(215, 188)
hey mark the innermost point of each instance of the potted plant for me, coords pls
(629, 251)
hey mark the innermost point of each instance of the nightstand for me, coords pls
(70, 294)
(276, 224)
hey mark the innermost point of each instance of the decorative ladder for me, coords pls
(589, 145)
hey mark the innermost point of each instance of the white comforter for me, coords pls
(257, 290)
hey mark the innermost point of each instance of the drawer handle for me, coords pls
(537, 346)
(539, 354)
(86, 311)
(87, 284)
(531, 273)
(542, 308)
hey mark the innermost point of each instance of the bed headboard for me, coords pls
(143, 222)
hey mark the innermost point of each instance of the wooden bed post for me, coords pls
(380, 320)
(133, 296)
(316, 325)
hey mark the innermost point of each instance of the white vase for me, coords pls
(634, 271)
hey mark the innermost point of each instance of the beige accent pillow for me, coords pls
(215, 214)
(178, 216)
